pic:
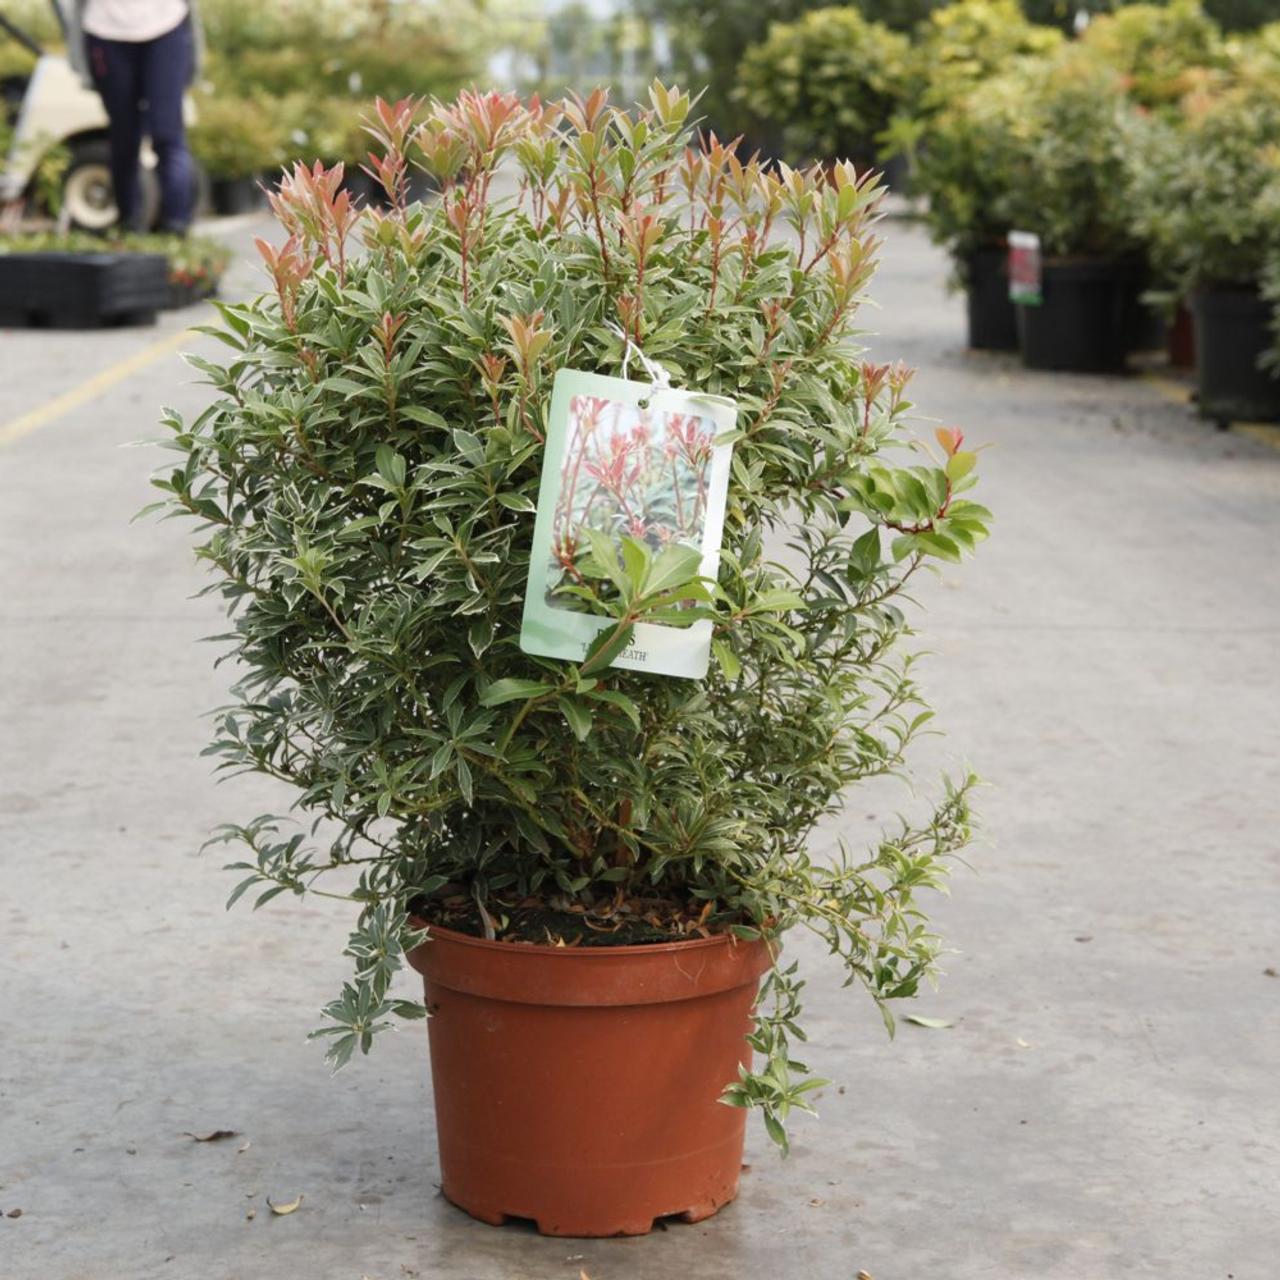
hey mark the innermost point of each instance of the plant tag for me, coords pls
(1025, 285)
(625, 460)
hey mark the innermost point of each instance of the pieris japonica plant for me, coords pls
(364, 482)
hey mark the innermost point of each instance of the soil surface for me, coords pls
(608, 922)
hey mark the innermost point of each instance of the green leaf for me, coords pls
(866, 551)
(345, 385)
(238, 892)
(391, 466)
(578, 716)
(675, 566)
(606, 647)
(516, 502)
(604, 562)
(410, 1010)
(464, 780)
(273, 892)
(939, 545)
(774, 1128)
(480, 636)
(511, 689)
(469, 445)
(635, 562)
(619, 700)
(727, 659)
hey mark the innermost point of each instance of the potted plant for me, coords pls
(826, 85)
(955, 51)
(590, 864)
(1205, 201)
(1068, 156)
(237, 141)
(970, 159)
(196, 265)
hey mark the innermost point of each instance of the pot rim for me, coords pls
(579, 953)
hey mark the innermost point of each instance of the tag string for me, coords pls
(659, 378)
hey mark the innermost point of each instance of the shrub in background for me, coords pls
(968, 166)
(706, 42)
(1203, 183)
(1241, 15)
(308, 66)
(1042, 148)
(1066, 159)
(1160, 49)
(826, 85)
(956, 52)
(236, 137)
(961, 46)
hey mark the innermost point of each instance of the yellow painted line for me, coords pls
(1267, 432)
(44, 414)
(1167, 387)
(1180, 392)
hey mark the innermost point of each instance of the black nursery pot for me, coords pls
(1088, 319)
(993, 319)
(236, 195)
(1232, 329)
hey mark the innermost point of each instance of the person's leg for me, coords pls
(114, 65)
(167, 65)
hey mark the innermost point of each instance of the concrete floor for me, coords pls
(1105, 1104)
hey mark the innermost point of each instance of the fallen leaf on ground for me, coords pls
(14, 1213)
(921, 1021)
(253, 1213)
(1023, 1044)
(1271, 973)
(863, 1275)
(242, 1149)
(216, 1135)
(281, 1209)
(817, 1202)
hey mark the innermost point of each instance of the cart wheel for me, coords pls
(88, 201)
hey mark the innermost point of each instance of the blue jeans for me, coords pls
(142, 84)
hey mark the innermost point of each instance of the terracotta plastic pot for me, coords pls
(1182, 339)
(579, 1087)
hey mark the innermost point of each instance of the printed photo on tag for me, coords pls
(630, 470)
